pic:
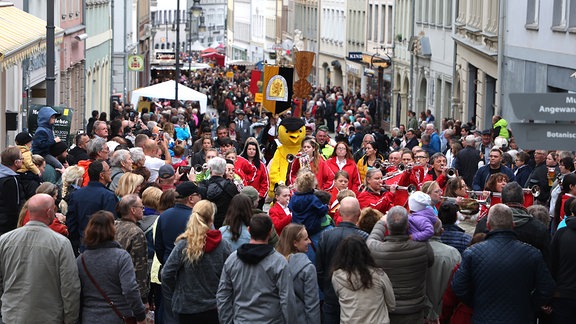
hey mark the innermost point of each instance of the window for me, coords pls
(559, 18)
(532, 13)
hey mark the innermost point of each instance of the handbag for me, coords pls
(127, 320)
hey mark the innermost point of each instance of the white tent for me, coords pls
(167, 90)
(197, 47)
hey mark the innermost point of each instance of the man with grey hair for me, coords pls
(406, 263)
(505, 280)
(329, 241)
(446, 258)
(100, 130)
(132, 239)
(219, 190)
(434, 138)
(527, 228)
(120, 163)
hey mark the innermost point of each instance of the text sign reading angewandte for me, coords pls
(544, 106)
(531, 136)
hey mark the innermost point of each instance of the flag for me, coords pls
(277, 88)
(256, 82)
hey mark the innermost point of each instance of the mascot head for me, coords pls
(291, 131)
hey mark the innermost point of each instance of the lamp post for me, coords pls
(177, 49)
(195, 11)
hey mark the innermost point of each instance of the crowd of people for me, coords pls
(170, 214)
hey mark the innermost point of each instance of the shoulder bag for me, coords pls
(128, 320)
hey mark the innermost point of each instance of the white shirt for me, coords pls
(153, 164)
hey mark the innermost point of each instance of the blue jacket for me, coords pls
(435, 144)
(456, 237)
(82, 204)
(503, 279)
(307, 210)
(44, 135)
(483, 174)
(170, 224)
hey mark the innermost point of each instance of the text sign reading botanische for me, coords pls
(544, 106)
(531, 136)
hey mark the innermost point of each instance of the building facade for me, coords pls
(98, 66)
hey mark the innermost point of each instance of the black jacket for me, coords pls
(466, 163)
(326, 249)
(11, 199)
(503, 279)
(563, 259)
(219, 191)
(539, 176)
(527, 228)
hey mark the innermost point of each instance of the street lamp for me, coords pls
(196, 9)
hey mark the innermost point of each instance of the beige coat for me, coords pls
(364, 305)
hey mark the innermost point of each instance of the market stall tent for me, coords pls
(166, 90)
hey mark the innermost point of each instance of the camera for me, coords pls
(184, 169)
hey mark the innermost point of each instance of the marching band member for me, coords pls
(342, 160)
(310, 158)
(375, 196)
(369, 159)
(254, 170)
(279, 212)
(438, 171)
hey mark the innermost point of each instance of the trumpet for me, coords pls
(410, 188)
(379, 164)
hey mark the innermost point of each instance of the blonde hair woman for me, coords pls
(192, 272)
(294, 242)
(71, 180)
(129, 183)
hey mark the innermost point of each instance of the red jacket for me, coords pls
(379, 201)
(324, 175)
(56, 226)
(279, 217)
(252, 176)
(349, 167)
(431, 176)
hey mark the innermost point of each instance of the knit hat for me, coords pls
(58, 148)
(23, 138)
(419, 201)
(250, 192)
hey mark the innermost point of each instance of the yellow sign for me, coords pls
(229, 74)
(136, 62)
(258, 97)
(376, 60)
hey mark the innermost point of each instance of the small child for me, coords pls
(324, 197)
(422, 217)
(44, 136)
(24, 143)
(306, 208)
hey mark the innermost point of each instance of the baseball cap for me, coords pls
(186, 189)
(166, 171)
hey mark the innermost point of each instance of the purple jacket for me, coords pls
(422, 224)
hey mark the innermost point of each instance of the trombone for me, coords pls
(534, 190)
(468, 206)
(410, 188)
(451, 173)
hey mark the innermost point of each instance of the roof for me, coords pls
(21, 35)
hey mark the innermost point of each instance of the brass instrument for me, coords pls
(476, 193)
(410, 188)
(379, 164)
(535, 190)
(468, 206)
(290, 158)
(451, 173)
(303, 157)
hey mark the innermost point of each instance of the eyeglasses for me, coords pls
(138, 206)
